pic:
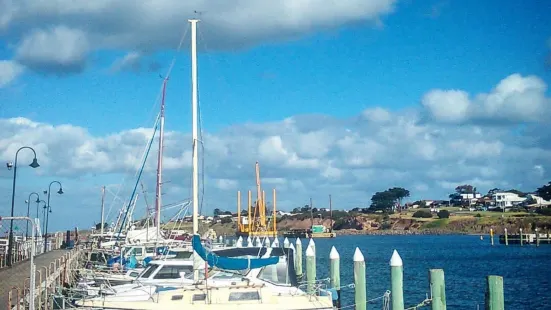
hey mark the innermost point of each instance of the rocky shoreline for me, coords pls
(349, 232)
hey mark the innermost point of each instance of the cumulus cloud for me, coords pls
(58, 49)
(516, 99)
(9, 72)
(74, 28)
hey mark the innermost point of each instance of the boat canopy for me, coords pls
(230, 263)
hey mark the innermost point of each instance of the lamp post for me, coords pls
(28, 201)
(49, 210)
(34, 164)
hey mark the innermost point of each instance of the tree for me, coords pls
(545, 192)
(493, 191)
(516, 191)
(217, 212)
(296, 210)
(465, 189)
(98, 226)
(443, 214)
(227, 213)
(305, 209)
(422, 214)
(226, 220)
(399, 194)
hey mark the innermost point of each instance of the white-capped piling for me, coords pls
(310, 270)
(506, 236)
(239, 243)
(437, 289)
(258, 242)
(492, 236)
(335, 275)
(521, 237)
(267, 242)
(286, 243)
(396, 281)
(298, 258)
(360, 288)
(249, 242)
(220, 239)
(275, 244)
(537, 237)
(312, 244)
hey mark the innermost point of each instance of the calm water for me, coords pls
(466, 261)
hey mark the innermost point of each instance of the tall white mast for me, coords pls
(195, 176)
(102, 209)
(160, 164)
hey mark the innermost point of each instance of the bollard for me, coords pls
(396, 281)
(310, 270)
(286, 243)
(537, 238)
(494, 293)
(437, 289)
(360, 287)
(492, 236)
(298, 259)
(506, 237)
(335, 276)
(521, 241)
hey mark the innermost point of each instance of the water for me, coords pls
(466, 261)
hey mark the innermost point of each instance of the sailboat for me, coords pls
(239, 278)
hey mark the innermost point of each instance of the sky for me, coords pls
(341, 98)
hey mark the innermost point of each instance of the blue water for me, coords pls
(466, 261)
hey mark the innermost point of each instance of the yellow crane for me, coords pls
(256, 224)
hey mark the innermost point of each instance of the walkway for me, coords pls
(16, 275)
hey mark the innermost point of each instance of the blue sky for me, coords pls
(336, 68)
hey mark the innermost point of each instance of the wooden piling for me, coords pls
(521, 237)
(310, 270)
(335, 275)
(396, 281)
(492, 236)
(537, 238)
(298, 258)
(437, 289)
(494, 293)
(506, 237)
(360, 287)
(286, 243)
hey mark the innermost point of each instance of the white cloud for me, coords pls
(516, 99)
(130, 62)
(58, 49)
(301, 156)
(9, 72)
(73, 27)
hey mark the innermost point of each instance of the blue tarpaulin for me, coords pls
(230, 263)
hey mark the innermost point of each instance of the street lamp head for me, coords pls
(26, 201)
(50, 210)
(9, 165)
(60, 191)
(45, 192)
(34, 164)
(37, 200)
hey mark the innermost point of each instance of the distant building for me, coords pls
(505, 200)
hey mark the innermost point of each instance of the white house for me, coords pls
(506, 200)
(537, 200)
(466, 196)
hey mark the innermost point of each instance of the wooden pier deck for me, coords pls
(16, 275)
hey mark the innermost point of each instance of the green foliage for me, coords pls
(544, 211)
(226, 220)
(478, 215)
(443, 214)
(422, 214)
(441, 223)
(386, 200)
(465, 189)
(545, 192)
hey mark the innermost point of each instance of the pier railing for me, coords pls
(50, 279)
(22, 249)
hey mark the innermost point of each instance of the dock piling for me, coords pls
(335, 275)
(360, 287)
(537, 237)
(286, 243)
(506, 237)
(494, 293)
(437, 289)
(396, 281)
(298, 258)
(521, 237)
(310, 270)
(492, 236)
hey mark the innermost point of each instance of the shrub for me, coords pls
(422, 214)
(226, 220)
(478, 215)
(443, 214)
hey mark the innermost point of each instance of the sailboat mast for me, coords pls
(195, 176)
(102, 209)
(160, 163)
